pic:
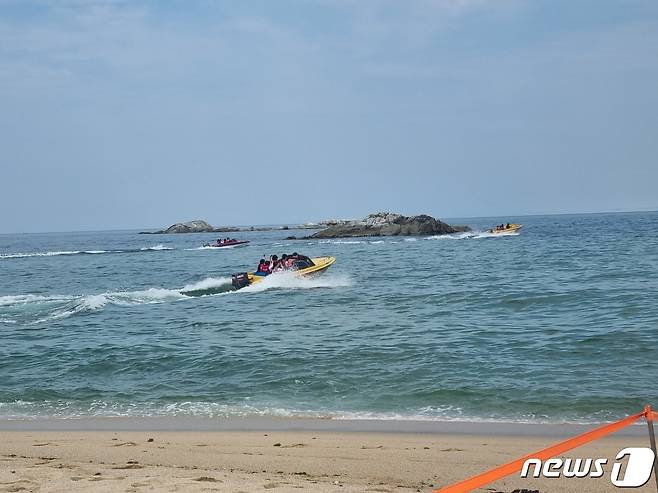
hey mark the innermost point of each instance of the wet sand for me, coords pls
(290, 455)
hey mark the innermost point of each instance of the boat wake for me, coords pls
(471, 235)
(207, 287)
(467, 235)
(35, 308)
(155, 248)
(207, 247)
(343, 242)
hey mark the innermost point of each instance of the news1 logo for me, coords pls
(638, 467)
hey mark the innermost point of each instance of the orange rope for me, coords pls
(547, 453)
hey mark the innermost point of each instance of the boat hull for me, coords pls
(514, 228)
(320, 265)
(236, 244)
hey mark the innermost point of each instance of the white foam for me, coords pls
(146, 296)
(343, 242)
(21, 409)
(486, 234)
(156, 248)
(65, 312)
(56, 307)
(94, 301)
(38, 254)
(208, 283)
(289, 280)
(23, 299)
(66, 306)
(454, 236)
(471, 235)
(80, 252)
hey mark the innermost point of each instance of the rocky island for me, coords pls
(389, 224)
(196, 226)
(378, 224)
(199, 226)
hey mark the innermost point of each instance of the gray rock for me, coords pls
(197, 226)
(389, 224)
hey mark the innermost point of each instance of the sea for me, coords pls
(558, 323)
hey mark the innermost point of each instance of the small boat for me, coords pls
(227, 244)
(320, 265)
(512, 228)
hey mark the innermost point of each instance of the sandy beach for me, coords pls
(325, 460)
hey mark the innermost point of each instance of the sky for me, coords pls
(137, 114)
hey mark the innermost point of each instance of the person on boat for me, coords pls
(301, 261)
(274, 263)
(508, 226)
(263, 268)
(281, 264)
(288, 262)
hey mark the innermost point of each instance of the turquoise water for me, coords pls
(559, 323)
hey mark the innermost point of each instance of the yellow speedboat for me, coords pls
(512, 228)
(320, 265)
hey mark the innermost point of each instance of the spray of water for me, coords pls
(288, 280)
(33, 309)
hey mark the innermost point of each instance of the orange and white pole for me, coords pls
(649, 415)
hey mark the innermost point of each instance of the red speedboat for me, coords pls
(227, 244)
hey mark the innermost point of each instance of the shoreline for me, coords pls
(285, 424)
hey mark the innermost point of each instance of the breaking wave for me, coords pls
(155, 248)
(35, 409)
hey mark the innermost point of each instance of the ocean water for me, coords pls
(558, 323)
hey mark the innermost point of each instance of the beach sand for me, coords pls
(279, 460)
